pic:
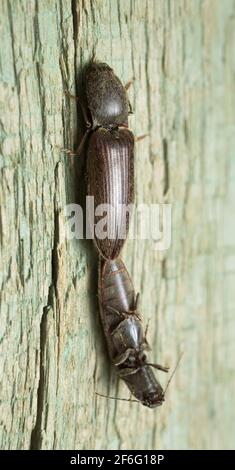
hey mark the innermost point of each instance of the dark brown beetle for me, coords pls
(124, 333)
(110, 154)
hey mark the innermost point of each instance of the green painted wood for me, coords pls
(53, 357)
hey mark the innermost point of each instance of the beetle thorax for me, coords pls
(106, 97)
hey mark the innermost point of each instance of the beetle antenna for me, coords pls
(173, 372)
(115, 398)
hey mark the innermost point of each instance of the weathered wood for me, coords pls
(53, 357)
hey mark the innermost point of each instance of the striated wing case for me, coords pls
(110, 171)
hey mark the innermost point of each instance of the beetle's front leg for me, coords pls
(141, 137)
(129, 83)
(80, 146)
(121, 358)
(127, 86)
(158, 366)
(83, 108)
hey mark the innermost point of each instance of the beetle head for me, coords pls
(155, 398)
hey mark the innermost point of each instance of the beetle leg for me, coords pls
(127, 86)
(68, 152)
(145, 341)
(137, 300)
(80, 146)
(146, 330)
(130, 108)
(129, 83)
(134, 314)
(84, 111)
(158, 366)
(72, 97)
(134, 310)
(127, 371)
(145, 346)
(120, 358)
(111, 309)
(141, 137)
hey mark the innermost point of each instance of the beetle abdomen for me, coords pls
(122, 327)
(110, 168)
(115, 287)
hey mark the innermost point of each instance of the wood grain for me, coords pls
(53, 356)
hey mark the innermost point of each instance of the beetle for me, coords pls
(126, 340)
(110, 155)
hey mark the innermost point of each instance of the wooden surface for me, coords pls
(53, 357)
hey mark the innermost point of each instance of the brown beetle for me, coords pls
(124, 333)
(110, 154)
